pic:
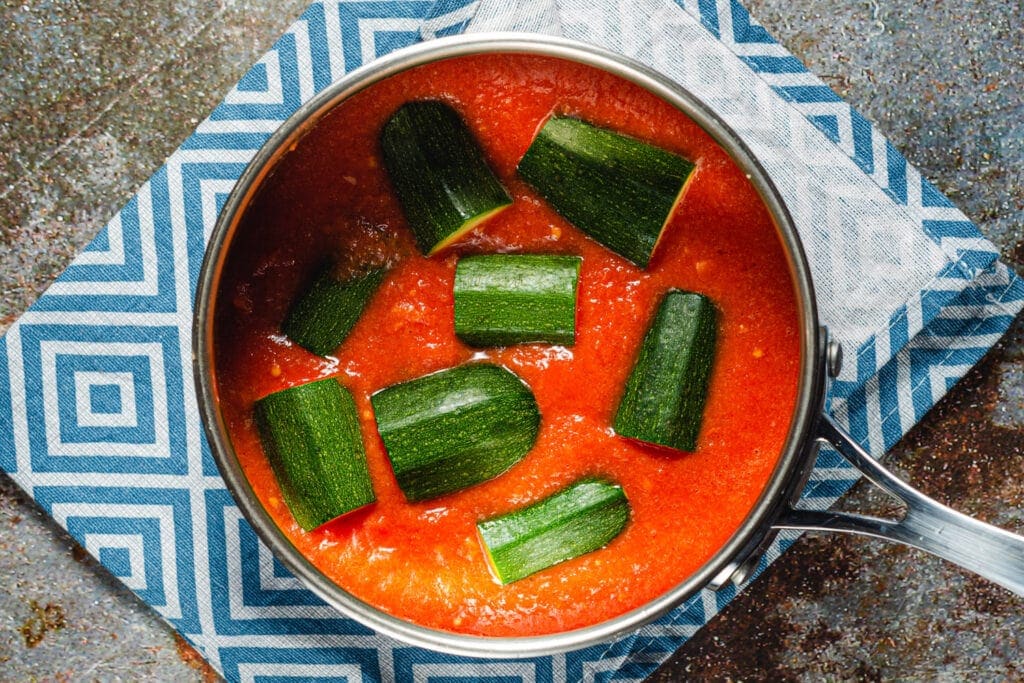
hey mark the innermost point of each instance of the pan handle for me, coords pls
(989, 551)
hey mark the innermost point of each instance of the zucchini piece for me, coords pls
(455, 428)
(503, 299)
(577, 520)
(663, 403)
(617, 189)
(322, 317)
(439, 173)
(311, 436)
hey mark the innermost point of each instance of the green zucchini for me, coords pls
(455, 428)
(577, 520)
(325, 313)
(664, 399)
(439, 173)
(503, 299)
(617, 189)
(311, 436)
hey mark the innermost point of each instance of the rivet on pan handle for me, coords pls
(991, 552)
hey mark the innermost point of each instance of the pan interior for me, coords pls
(246, 271)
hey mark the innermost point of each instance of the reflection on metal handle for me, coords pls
(989, 551)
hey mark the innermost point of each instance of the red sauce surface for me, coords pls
(423, 562)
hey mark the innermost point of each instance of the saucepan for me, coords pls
(989, 551)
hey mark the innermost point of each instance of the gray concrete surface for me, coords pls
(94, 96)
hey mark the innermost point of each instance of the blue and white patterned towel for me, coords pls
(98, 421)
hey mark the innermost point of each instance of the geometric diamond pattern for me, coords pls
(69, 371)
(120, 554)
(147, 534)
(7, 448)
(105, 399)
(411, 664)
(98, 421)
(255, 592)
(344, 664)
(128, 268)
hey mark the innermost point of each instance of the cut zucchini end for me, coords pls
(492, 566)
(617, 189)
(466, 228)
(668, 217)
(439, 173)
(490, 340)
(580, 519)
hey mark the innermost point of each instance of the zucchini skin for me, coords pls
(618, 190)
(577, 520)
(311, 436)
(439, 173)
(504, 299)
(663, 402)
(324, 314)
(456, 428)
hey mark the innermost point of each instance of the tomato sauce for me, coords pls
(423, 562)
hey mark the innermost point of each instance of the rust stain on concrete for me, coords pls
(44, 619)
(194, 660)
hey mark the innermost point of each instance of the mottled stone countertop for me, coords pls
(93, 98)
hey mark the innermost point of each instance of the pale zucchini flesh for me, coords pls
(577, 520)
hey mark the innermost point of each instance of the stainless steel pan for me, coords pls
(991, 552)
